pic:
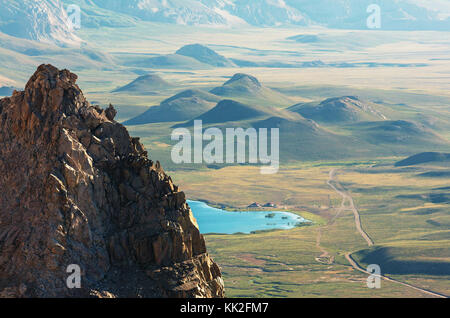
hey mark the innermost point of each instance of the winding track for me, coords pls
(356, 266)
(325, 257)
(347, 197)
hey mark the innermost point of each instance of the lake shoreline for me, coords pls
(218, 221)
(231, 208)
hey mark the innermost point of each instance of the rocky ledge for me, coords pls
(77, 189)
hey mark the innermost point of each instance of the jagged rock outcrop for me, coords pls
(75, 188)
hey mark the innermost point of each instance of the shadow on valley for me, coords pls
(431, 197)
(399, 260)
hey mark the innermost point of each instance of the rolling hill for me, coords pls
(424, 157)
(303, 139)
(339, 110)
(249, 90)
(406, 260)
(169, 61)
(398, 137)
(19, 56)
(232, 111)
(144, 85)
(362, 131)
(181, 107)
(300, 138)
(188, 57)
(205, 55)
(228, 111)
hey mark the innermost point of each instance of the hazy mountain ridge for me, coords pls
(212, 12)
(189, 12)
(395, 15)
(268, 13)
(341, 14)
(48, 21)
(39, 20)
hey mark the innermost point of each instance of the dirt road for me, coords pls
(356, 266)
(347, 197)
(326, 257)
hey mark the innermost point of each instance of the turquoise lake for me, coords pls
(213, 220)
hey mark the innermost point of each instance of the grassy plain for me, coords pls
(406, 229)
(282, 263)
(398, 207)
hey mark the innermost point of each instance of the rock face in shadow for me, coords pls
(77, 189)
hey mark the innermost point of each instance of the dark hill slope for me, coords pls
(249, 90)
(233, 111)
(228, 111)
(424, 157)
(344, 109)
(205, 55)
(181, 107)
(397, 137)
(145, 84)
(305, 140)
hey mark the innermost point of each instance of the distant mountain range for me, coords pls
(171, 11)
(48, 21)
(40, 20)
(395, 15)
(341, 14)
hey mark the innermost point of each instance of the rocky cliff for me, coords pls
(77, 189)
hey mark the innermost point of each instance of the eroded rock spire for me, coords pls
(77, 189)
